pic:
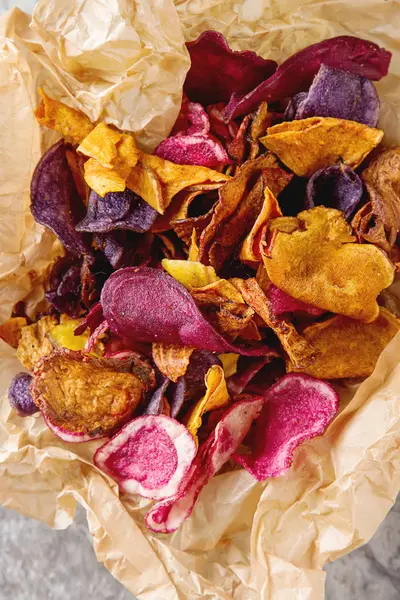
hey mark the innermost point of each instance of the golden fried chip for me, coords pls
(320, 264)
(72, 124)
(82, 395)
(301, 353)
(240, 202)
(191, 274)
(103, 180)
(251, 248)
(348, 348)
(307, 145)
(171, 360)
(193, 254)
(62, 335)
(10, 331)
(35, 343)
(111, 148)
(216, 396)
(229, 363)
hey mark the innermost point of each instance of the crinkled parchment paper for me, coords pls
(125, 61)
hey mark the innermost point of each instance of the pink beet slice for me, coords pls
(283, 303)
(148, 305)
(167, 516)
(296, 73)
(297, 408)
(150, 456)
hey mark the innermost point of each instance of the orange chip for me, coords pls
(171, 360)
(307, 145)
(103, 180)
(297, 348)
(34, 342)
(348, 348)
(10, 331)
(71, 123)
(317, 261)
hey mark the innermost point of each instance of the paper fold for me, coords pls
(126, 62)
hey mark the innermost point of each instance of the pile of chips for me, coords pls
(212, 293)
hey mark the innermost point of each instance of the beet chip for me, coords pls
(117, 210)
(147, 305)
(55, 202)
(297, 408)
(340, 94)
(82, 397)
(167, 516)
(150, 456)
(337, 186)
(217, 72)
(296, 73)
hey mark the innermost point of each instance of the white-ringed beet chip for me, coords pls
(150, 456)
(296, 409)
(168, 515)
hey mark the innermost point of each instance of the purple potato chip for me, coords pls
(336, 186)
(291, 109)
(117, 210)
(156, 401)
(147, 305)
(65, 286)
(296, 73)
(340, 94)
(55, 202)
(19, 395)
(192, 385)
(217, 72)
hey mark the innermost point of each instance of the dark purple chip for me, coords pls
(336, 186)
(55, 202)
(117, 210)
(19, 395)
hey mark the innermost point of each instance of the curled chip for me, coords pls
(150, 456)
(317, 261)
(247, 369)
(111, 148)
(348, 348)
(216, 396)
(10, 330)
(117, 210)
(229, 363)
(379, 220)
(168, 315)
(158, 403)
(82, 397)
(240, 201)
(336, 186)
(234, 424)
(71, 123)
(19, 395)
(55, 202)
(296, 408)
(217, 72)
(282, 303)
(34, 342)
(340, 94)
(295, 74)
(251, 248)
(311, 144)
(193, 144)
(297, 348)
(171, 360)
(191, 274)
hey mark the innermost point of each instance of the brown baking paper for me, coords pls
(125, 62)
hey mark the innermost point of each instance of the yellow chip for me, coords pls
(229, 363)
(216, 396)
(103, 180)
(62, 335)
(307, 145)
(191, 274)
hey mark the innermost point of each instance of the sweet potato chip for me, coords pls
(297, 348)
(216, 396)
(34, 342)
(380, 222)
(101, 179)
(72, 124)
(11, 330)
(191, 274)
(348, 348)
(171, 360)
(308, 145)
(111, 148)
(85, 397)
(229, 363)
(195, 211)
(240, 202)
(251, 247)
(319, 263)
